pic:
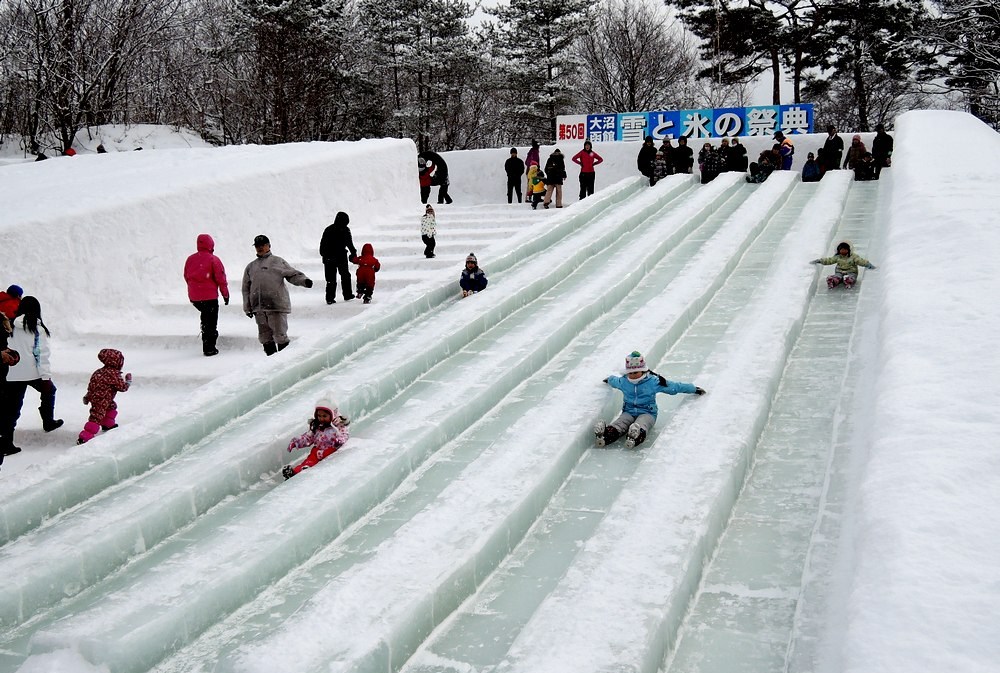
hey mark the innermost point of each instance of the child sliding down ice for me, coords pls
(847, 266)
(105, 383)
(640, 386)
(327, 433)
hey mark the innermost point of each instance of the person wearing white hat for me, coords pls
(327, 433)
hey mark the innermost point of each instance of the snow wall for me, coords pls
(56, 244)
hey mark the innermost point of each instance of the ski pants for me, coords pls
(622, 423)
(272, 327)
(209, 310)
(443, 196)
(586, 185)
(848, 279)
(425, 193)
(513, 187)
(332, 267)
(429, 244)
(13, 400)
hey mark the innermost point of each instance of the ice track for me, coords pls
(469, 525)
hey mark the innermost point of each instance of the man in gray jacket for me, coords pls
(265, 296)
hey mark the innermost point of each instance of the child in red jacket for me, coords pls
(327, 433)
(367, 266)
(105, 383)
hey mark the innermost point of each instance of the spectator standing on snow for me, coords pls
(786, 150)
(30, 338)
(333, 248)
(368, 266)
(8, 358)
(661, 167)
(473, 278)
(514, 168)
(709, 163)
(640, 386)
(532, 159)
(833, 150)
(10, 300)
(265, 297)
(587, 159)
(865, 169)
(668, 153)
(737, 156)
(327, 433)
(428, 230)
(881, 149)
(440, 177)
(425, 176)
(854, 152)
(810, 171)
(644, 161)
(683, 156)
(205, 276)
(105, 384)
(555, 171)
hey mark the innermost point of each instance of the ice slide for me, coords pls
(474, 528)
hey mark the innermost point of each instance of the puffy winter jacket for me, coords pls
(846, 263)
(587, 160)
(640, 397)
(323, 441)
(428, 226)
(105, 383)
(34, 352)
(204, 273)
(8, 305)
(264, 284)
(368, 264)
(337, 240)
(473, 280)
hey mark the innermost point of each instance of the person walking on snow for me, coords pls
(587, 159)
(640, 386)
(428, 229)
(368, 266)
(30, 338)
(533, 158)
(8, 358)
(105, 383)
(206, 278)
(473, 278)
(847, 266)
(327, 433)
(333, 248)
(514, 168)
(265, 297)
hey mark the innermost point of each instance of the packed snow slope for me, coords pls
(829, 505)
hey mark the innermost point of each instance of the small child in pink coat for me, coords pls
(327, 433)
(105, 383)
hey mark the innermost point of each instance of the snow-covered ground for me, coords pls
(829, 506)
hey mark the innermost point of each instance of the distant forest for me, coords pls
(456, 75)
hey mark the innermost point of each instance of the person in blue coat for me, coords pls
(640, 386)
(473, 278)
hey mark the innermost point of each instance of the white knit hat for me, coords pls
(634, 362)
(327, 404)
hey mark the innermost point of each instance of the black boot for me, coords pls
(270, 348)
(50, 424)
(282, 347)
(611, 435)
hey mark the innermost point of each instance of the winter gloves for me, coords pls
(307, 282)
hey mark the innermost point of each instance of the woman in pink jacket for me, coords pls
(327, 433)
(206, 278)
(587, 158)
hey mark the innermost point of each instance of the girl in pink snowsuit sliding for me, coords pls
(105, 383)
(327, 433)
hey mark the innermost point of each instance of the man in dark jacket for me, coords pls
(832, 151)
(265, 297)
(683, 156)
(514, 168)
(8, 358)
(440, 176)
(555, 175)
(881, 149)
(333, 248)
(646, 158)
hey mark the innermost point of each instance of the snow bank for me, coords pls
(117, 227)
(924, 583)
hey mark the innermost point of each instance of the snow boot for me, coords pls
(832, 282)
(270, 348)
(599, 428)
(636, 436)
(283, 346)
(609, 433)
(288, 472)
(52, 424)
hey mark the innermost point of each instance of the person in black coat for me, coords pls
(881, 149)
(333, 248)
(683, 156)
(8, 358)
(832, 151)
(514, 168)
(646, 159)
(555, 175)
(440, 177)
(737, 156)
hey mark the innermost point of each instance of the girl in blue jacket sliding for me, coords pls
(640, 386)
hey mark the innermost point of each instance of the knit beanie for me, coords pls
(327, 404)
(472, 258)
(15, 291)
(634, 362)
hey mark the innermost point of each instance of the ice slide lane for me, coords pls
(375, 585)
(621, 601)
(43, 494)
(478, 636)
(371, 477)
(751, 612)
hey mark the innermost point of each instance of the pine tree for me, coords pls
(968, 34)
